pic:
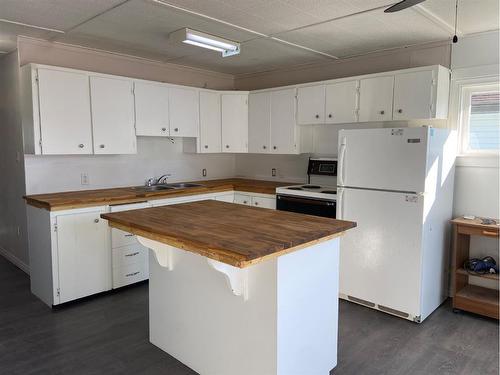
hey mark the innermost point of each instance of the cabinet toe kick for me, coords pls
(162, 252)
(237, 278)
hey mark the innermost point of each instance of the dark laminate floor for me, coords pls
(109, 335)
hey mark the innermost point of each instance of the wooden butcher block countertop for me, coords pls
(234, 234)
(88, 198)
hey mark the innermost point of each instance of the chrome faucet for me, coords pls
(163, 179)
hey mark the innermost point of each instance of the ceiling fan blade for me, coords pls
(402, 5)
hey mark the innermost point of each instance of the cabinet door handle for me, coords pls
(245, 202)
(176, 129)
(206, 146)
(81, 145)
(96, 221)
(264, 147)
(129, 235)
(101, 146)
(256, 203)
(132, 274)
(382, 112)
(317, 116)
(227, 146)
(330, 115)
(163, 129)
(274, 147)
(400, 111)
(132, 254)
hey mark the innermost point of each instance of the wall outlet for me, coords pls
(204, 172)
(273, 172)
(84, 177)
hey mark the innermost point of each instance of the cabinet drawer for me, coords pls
(462, 229)
(120, 238)
(243, 199)
(130, 274)
(126, 255)
(264, 202)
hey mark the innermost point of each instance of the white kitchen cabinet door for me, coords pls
(283, 122)
(210, 122)
(259, 122)
(64, 105)
(264, 202)
(243, 199)
(113, 115)
(311, 105)
(184, 105)
(375, 98)
(341, 102)
(83, 254)
(151, 109)
(413, 95)
(229, 198)
(234, 122)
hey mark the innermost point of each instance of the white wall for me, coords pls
(155, 157)
(13, 227)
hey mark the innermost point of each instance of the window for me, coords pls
(480, 119)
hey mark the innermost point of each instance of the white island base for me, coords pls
(279, 316)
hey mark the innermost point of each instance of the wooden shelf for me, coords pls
(478, 300)
(490, 276)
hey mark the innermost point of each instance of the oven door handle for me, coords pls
(306, 201)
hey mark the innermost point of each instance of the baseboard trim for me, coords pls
(15, 260)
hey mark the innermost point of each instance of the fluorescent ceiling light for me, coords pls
(200, 39)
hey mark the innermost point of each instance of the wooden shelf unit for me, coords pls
(467, 297)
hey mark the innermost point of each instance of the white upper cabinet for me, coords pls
(284, 129)
(234, 122)
(184, 105)
(375, 98)
(259, 122)
(311, 105)
(64, 113)
(341, 102)
(151, 109)
(112, 115)
(210, 122)
(415, 95)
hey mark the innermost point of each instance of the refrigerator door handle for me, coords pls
(343, 147)
(340, 200)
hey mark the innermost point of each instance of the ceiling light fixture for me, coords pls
(200, 39)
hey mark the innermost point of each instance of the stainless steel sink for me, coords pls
(162, 187)
(154, 188)
(183, 185)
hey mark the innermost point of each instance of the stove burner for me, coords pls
(329, 191)
(294, 188)
(311, 186)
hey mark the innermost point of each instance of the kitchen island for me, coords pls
(241, 290)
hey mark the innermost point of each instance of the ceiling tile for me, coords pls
(473, 15)
(55, 14)
(367, 32)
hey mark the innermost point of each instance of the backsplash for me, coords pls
(155, 156)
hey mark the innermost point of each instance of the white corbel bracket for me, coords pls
(237, 278)
(162, 252)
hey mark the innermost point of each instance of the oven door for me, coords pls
(310, 206)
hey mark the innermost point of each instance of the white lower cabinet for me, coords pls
(260, 200)
(129, 257)
(84, 260)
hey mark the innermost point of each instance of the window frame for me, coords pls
(466, 92)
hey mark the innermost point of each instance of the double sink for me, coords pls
(161, 187)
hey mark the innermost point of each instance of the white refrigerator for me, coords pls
(397, 185)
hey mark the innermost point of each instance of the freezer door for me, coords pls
(386, 159)
(380, 259)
